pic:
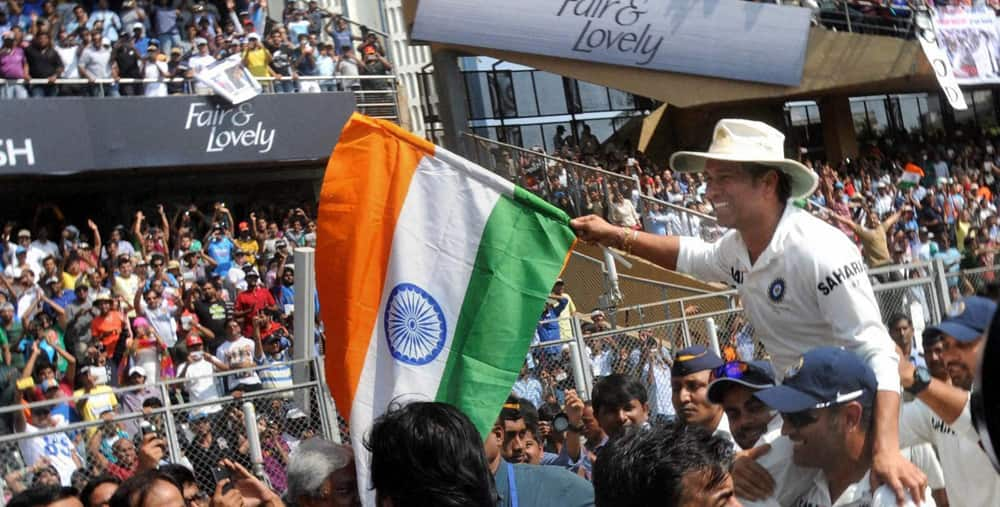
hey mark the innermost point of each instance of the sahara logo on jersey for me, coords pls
(840, 275)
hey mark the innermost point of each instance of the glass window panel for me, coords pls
(860, 119)
(551, 96)
(621, 100)
(593, 97)
(814, 118)
(797, 116)
(600, 128)
(503, 95)
(878, 117)
(531, 135)
(986, 113)
(930, 111)
(524, 92)
(549, 134)
(910, 115)
(478, 88)
(967, 117)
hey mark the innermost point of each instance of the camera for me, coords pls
(560, 422)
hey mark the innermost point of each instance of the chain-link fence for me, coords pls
(634, 340)
(196, 424)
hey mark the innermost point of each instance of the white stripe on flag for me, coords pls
(434, 247)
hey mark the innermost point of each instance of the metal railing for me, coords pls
(872, 18)
(282, 415)
(637, 339)
(377, 100)
(580, 189)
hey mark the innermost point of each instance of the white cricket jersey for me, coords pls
(57, 447)
(969, 477)
(808, 289)
(858, 494)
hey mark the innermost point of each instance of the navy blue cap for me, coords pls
(823, 377)
(694, 359)
(755, 375)
(968, 318)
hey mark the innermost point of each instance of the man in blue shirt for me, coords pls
(220, 248)
(548, 327)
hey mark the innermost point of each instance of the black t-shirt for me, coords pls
(281, 60)
(42, 63)
(203, 459)
(127, 59)
(213, 316)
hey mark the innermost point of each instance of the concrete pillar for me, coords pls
(453, 102)
(839, 137)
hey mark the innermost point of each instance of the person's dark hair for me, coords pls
(181, 474)
(134, 490)
(429, 453)
(758, 171)
(647, 466)
(41, 495)
(617, 391)
(94, 484)
(896, 317)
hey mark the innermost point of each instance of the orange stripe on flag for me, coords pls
(366, 182)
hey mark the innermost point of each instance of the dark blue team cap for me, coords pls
(968, 318)
(694, 359)
(823, 377)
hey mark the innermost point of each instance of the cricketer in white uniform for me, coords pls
(802, 282)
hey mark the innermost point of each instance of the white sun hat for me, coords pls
(748, 141)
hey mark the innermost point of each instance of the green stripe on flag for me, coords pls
(521, 254)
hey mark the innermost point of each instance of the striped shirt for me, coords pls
(277, 375)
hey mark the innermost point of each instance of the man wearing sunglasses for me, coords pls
(751, 422)
(826, 402)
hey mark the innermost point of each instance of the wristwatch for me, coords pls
(921, 379)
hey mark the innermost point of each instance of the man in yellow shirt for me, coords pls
(256, 58)
(101, 399)
(246, 242)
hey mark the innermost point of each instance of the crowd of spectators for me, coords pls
(164, 39)
(90, 321)
(948, 212)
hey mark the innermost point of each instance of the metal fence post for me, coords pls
(940, 286)
(639, 207)
(577, 362)
(253, 439)
(304, 319)
(713, 336)
(685, 331)
(173, 444)
(588, 373)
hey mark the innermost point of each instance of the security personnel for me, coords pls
(521, 485)
(802, 282)
(689, 378)
(826, 403)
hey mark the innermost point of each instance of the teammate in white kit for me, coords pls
(802, 282)
(826, 403)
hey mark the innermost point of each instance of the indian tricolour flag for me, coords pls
(911, 176)
(432, 274)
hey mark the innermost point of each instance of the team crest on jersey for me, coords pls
(776, 291)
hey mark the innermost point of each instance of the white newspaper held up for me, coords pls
(229, 79)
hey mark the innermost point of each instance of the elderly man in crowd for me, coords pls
(320, 473)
